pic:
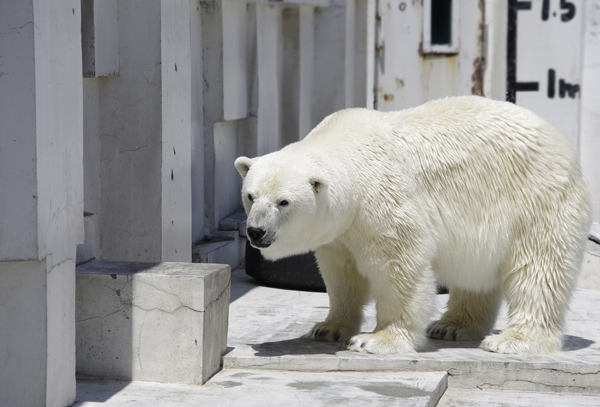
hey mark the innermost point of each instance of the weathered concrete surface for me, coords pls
(163, 322)
(266, 326)
(491, 398)
(259, 388)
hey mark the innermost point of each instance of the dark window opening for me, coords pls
(441, 22)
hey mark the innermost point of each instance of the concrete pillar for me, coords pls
(197, 121)
(590, 105)
(41, 199)
(144, 130)
(212, 64)
(268, 38)
(307, 53)
(228, 132)
(329, 62)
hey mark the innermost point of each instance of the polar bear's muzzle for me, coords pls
(258, 237)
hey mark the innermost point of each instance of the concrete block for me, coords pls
(162, 322)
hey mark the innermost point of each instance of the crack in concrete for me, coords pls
(488, 386)
(227, 287)
(100, 317)
(16, 28)
(60, 263)
(140, 148)
(461, 372)
(139, 342)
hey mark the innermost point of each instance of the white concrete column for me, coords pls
(197, 121)
(176, 200)
(212, 70)
(41, 199)
(268, 24)
(307, 54)
(329, 62)
(144, 121)
(235, 88)
(350, 57)
(590, 105)
(290, 75)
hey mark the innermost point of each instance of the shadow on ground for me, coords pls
(97, 391)
(297, 346)
(305, 346)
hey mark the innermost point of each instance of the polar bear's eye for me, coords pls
(250, 198)
(283, 203)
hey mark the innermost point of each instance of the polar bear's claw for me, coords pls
(377, 343)
(449, 331)
(329, 333)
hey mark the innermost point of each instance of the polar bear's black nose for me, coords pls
(255, 233)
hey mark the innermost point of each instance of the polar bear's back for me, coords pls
(476, 174)
(444, 133)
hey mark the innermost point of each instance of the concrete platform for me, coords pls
(268, 363)
(266, 326)
(259, 388)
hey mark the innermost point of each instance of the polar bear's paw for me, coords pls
(377, 343)
(515, 343)
(326, 332)
(452, 331)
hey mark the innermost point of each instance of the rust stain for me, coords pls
(388, 97)
(479, 62)
(477, 77)
(399, 83)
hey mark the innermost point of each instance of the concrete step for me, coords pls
(493, 398)
(259, 388)
(227, 246)
(266, 327)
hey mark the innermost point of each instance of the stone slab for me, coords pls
(491, 398)
(258, 388)
(267, 324)
(163, 322)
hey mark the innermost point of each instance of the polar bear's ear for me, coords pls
(243, 164)
(318, 184)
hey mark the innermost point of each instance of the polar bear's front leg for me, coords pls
(348, 292)
(405, 302)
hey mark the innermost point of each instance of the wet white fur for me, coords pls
(484, 196)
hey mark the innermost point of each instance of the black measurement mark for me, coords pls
(527, 86)
(551, 82)
(565, 5)
(512, 86)
(545, 10)
(564, 88)
(511, 50)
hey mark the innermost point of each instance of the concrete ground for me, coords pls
(269, 364)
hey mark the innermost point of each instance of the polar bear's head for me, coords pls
(285, 201)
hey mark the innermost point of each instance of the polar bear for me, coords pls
(482, 196)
